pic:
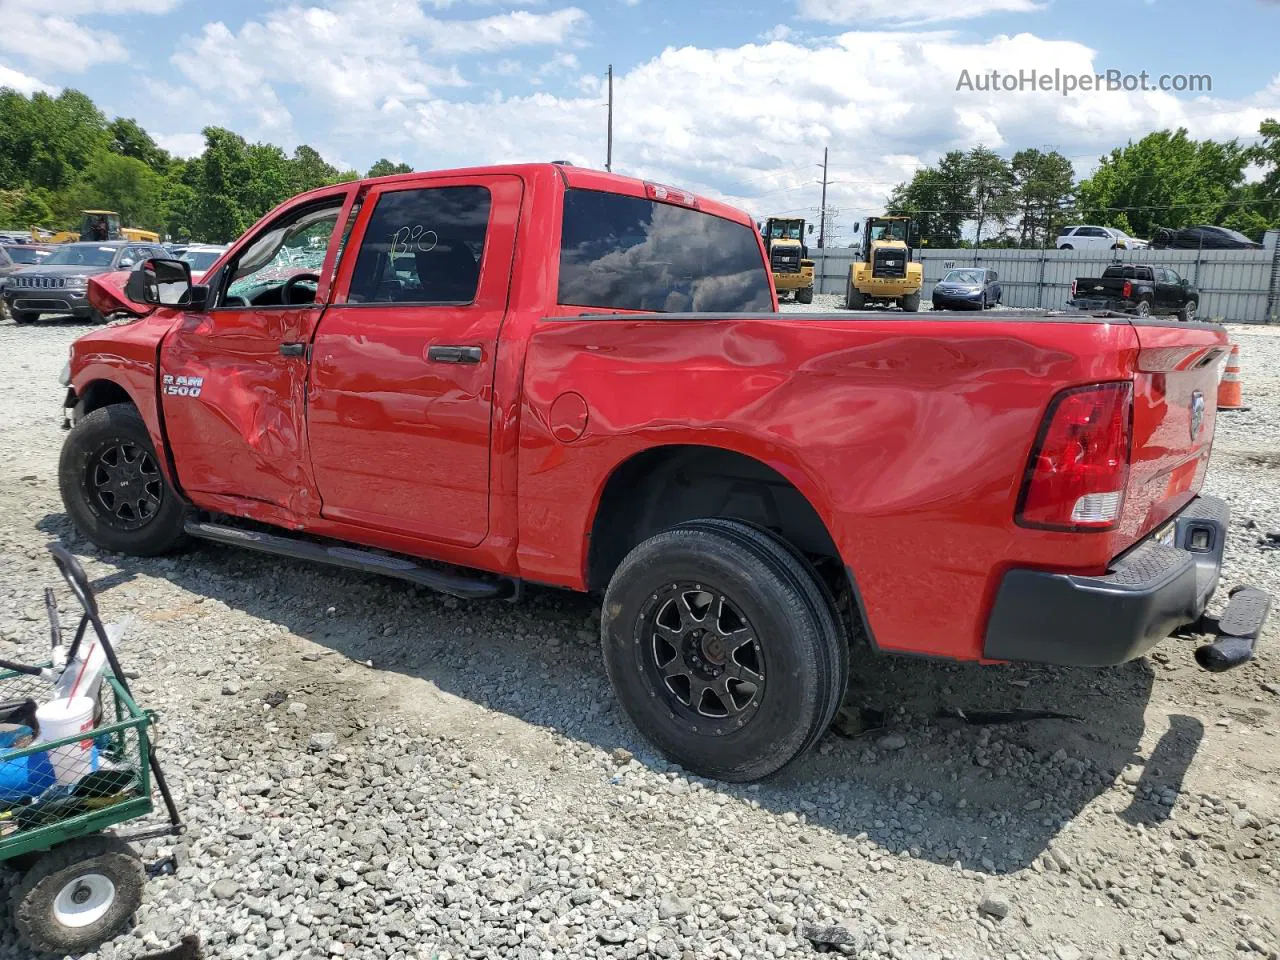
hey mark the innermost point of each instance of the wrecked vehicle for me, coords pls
(553, 375)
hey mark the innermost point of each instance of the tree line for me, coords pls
(60, 155)
(1166, 179)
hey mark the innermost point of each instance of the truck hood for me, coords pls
(58, 270)
(106, 293)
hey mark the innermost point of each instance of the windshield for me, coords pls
(1235, 235)
(200, 259)
(967, 277)
(889, 230)
(26, 254)
(81, 255)
(787, 231)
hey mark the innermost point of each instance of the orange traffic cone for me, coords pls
(1230, 396)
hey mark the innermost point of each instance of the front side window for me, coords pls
(423, 246)
(281, 266)
(631, 253)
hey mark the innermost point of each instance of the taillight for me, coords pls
(665, 194)
(1127, 292)
(1077, 473)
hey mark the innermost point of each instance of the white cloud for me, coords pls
(355, 58)
(780, 32)
(909, 11)
(749, 124)
(181, 144)
(52, 35)
(22, 83)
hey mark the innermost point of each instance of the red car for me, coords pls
(548, 374)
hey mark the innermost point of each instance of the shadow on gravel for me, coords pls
(991, 798)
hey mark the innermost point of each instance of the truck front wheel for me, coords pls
(804, 295)
(724, 648)
(112, 486)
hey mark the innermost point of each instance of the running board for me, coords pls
(353, 558)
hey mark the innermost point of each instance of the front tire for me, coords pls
(1066, 246)
(911, 302)
(78, 895)
(853, 298)
(112, 486)
(804, 295)
(24, 317)
(723, 648)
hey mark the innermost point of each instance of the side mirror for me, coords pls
(1184, 282)
(994, 276)
(857, 228)
(126, 262)
(160, 283)
(811, 228)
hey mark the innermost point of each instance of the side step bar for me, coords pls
(1236, 631)
(353, 558)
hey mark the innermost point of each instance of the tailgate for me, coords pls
(1175, 389)
(1099, 287)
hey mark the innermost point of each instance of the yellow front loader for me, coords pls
(788, 257)
(886, 271)
(99, 226)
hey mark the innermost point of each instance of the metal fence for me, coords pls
(1235, 285)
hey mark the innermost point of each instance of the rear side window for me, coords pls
(423, 246)
(629, 253)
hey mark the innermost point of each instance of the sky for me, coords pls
(734, 99)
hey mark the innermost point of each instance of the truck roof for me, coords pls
(582, 178)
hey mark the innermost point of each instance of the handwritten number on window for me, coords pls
(410, 239)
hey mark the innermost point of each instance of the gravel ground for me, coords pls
(450, 780)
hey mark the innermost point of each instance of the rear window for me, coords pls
(630, 253)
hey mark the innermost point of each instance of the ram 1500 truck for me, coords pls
(1138, 289)
(547, 374)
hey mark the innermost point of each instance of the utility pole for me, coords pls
(822, 213)
(608, 158)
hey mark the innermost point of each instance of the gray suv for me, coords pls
(59, 284)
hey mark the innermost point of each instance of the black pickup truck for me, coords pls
(1137, 289)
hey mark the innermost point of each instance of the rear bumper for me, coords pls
(1148, 593)
(1102, 303)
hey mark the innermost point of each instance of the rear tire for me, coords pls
(112, 486)
(804, 295)
(853, 298)
(911, 302)
(1188, 311)
(673, 611)
(78, 895)
(1143, 309)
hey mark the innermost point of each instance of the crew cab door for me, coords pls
(233, 376)
(401, 388)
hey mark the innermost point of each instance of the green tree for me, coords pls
(1266, 192)
(1166, 179)
(310, 170)
(123, 184)
(129, 140)
(938, 199)
(992, 190)
(46, 141)
(385, 168)
(1044, 187)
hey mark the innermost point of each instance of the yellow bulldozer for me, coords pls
(789, 257)
(885, 271)
(98, 226)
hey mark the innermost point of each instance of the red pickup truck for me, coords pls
(553, 375)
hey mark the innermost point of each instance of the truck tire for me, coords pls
(113, 488)
(1188, 311)
(911, 302)
(724, 648)
(853, 298)
(1143, 309)
(78, 895)
(804, 295)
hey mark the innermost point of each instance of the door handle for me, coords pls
(293, 349)
(442, 354)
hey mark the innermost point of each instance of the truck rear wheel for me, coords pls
(112, 486)
(724, 648)
(1143, 309)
